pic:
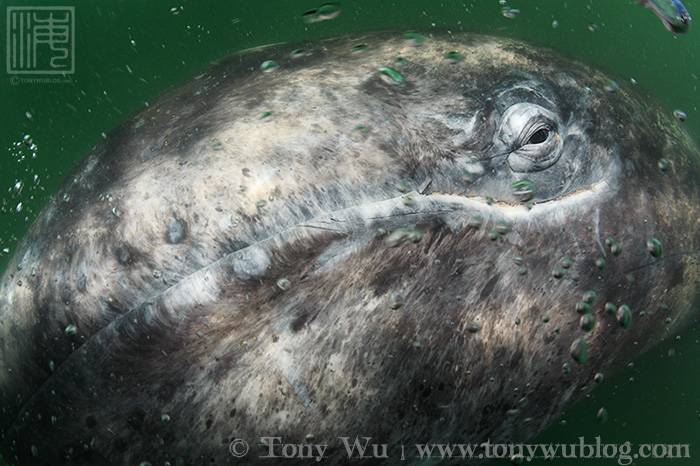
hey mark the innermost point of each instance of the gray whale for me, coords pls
(438, 240)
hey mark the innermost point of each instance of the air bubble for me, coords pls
(587, 322)
(413, 38)
(403, 187)
(408, 201)
(509, 12)
(475, 222)
(17, 188)
(578, 350)
(70, 330)
(600, 263)
(558, 273)
(468, 177)
(298, 53)
(493, 235)
(503, 227)
(599, 377)
(328, 11)
(589, 297)
(165, 417)
(473, 327)
(453, 58)
(593, 27)
(402, 235)
(582, 307)
(654, 247)
(616, 249)
(680, 115)
(602, 415)
(284, 284)
(268, 66)
(359, 133)
(663, 164)
(357, 48)
(566, 263)
(390, 75)
(611, 86)
(524, 190)
(624, 316)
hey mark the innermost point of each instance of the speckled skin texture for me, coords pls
(141, 318)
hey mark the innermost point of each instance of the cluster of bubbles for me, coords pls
(508, 11)
(22, 189)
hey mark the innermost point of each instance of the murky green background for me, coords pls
(129, 51)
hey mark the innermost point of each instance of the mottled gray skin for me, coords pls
(141, 317)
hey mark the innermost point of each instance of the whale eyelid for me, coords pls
(537, 125)
(528, 132)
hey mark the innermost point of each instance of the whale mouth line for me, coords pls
(461, 200)
(348, 220)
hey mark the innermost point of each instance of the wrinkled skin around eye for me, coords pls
(531, 138)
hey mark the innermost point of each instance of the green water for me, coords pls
(129, 51)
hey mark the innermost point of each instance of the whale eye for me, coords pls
(530, 135)
(539, 137)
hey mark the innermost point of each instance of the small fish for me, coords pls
(672, 13)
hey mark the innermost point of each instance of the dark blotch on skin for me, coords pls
(120, 445)
(124, 256)
(302, 317)
(82, 283)
(136, 419)
(176, 231)
(488, 288)
(66, 295)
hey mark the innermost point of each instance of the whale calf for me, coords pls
(387, 236)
